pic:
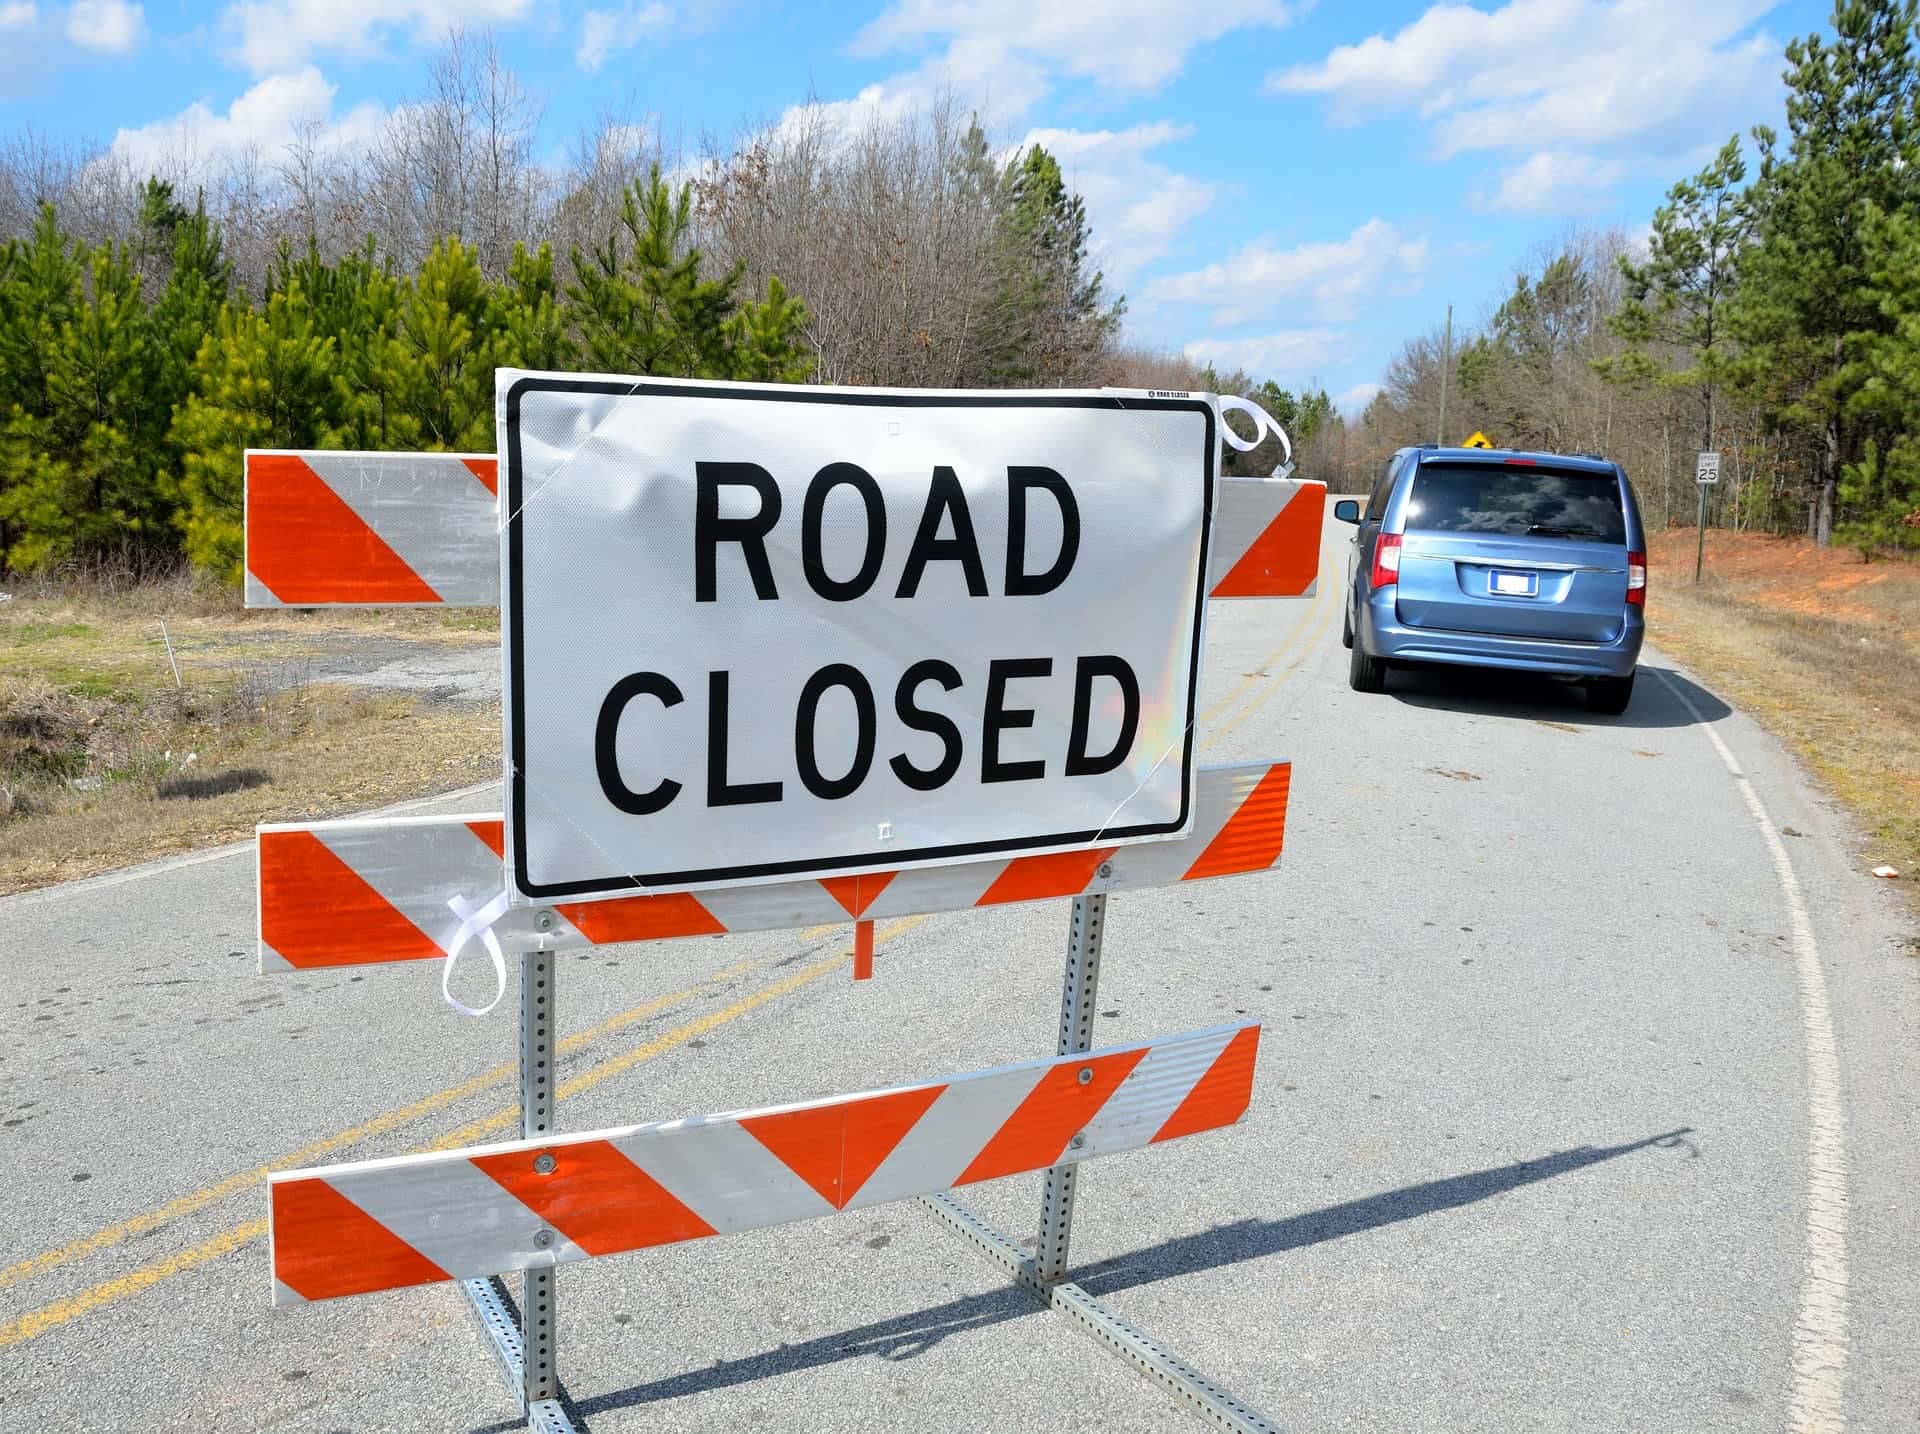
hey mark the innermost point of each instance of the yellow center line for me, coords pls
(62, 1311)
(387, 1120)
(1321, 590)
(1259, 699)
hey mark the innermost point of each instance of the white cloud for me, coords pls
(280, 34)
(1326, 281)
(1136, 206)
(1354, 401)
(18, 15)
(1124, 44)
(1287, 356)
(110, 26)
(1557, 81)
(1557, 182)
(603, 32)
(263, 121)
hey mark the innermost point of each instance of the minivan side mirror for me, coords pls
(1347, 511)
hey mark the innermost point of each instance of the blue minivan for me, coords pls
(1534, 562)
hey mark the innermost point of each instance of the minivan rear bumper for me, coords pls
(1380, 631)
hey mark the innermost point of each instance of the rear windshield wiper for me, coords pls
(1567, 531)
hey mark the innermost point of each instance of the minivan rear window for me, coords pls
(1516, 499)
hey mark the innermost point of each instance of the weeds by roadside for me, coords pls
(106, 759)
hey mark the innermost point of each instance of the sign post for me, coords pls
(1706, 473)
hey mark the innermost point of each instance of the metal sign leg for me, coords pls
(1077, 997)
(537, 1309)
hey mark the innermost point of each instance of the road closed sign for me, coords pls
(754, 633)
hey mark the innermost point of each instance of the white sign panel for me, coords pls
(758, 632)
(1708, 470)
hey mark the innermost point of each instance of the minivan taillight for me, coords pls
(1386, 560)
(1637, 579)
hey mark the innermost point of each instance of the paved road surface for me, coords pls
(1529, 1148)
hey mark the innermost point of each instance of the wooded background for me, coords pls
(155, 324)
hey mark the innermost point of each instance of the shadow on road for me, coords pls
(1530, 695)
(912, 1334)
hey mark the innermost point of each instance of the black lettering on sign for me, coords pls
(710, 529)
(998, 718)
(1021, 482)
(721, 792)
(919, 719)
(944, 496)
(606, 735)
(1079, 764)
(805, 725)
(812, 563)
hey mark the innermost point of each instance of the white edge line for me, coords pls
(89, 884)
(1816, 1398)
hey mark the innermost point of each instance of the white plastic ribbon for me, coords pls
(1263, 424)
(475, 921)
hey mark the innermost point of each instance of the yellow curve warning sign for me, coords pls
(1479, 440)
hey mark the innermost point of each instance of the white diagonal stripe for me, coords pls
(1151, 1092)
(954, 1130)
(456, 1215)
(721, 1173)
(431, 510)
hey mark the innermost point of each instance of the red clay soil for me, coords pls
(1792, 573)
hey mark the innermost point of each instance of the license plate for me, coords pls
(1514, 584)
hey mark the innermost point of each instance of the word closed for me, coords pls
(754, 633)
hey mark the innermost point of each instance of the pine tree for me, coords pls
(1678, 299)
(641, 304)
(266, 379)
(528, 318)
(1881, 490)
(1805, 297)
(436, 365)
(1054, 317)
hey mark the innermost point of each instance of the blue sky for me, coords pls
(1286, 186)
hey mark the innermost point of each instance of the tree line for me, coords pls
(1771, 313)
(156, 321)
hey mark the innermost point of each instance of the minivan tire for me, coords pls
(1365, 673)
(1346, 627)
(1610, 695)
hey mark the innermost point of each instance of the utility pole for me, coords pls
(1446, 363)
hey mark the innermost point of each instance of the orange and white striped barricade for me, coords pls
(408, 529)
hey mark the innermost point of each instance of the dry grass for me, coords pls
(105, 761)
(1825, 650)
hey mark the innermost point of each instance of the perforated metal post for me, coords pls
(1077, 996)
(538, 1317)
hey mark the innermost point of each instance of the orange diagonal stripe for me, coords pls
(856, 893)
(315, 910)
(1285, 558)
(1220, 1096)
(325, 1246)
(1252, 838)
(642, 918)
(834, 1148)
(308, 545)
(596, 1197)
(494, 834)
(1032, 878)
(1036, 1134)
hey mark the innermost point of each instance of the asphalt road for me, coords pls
(1530, 1145)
